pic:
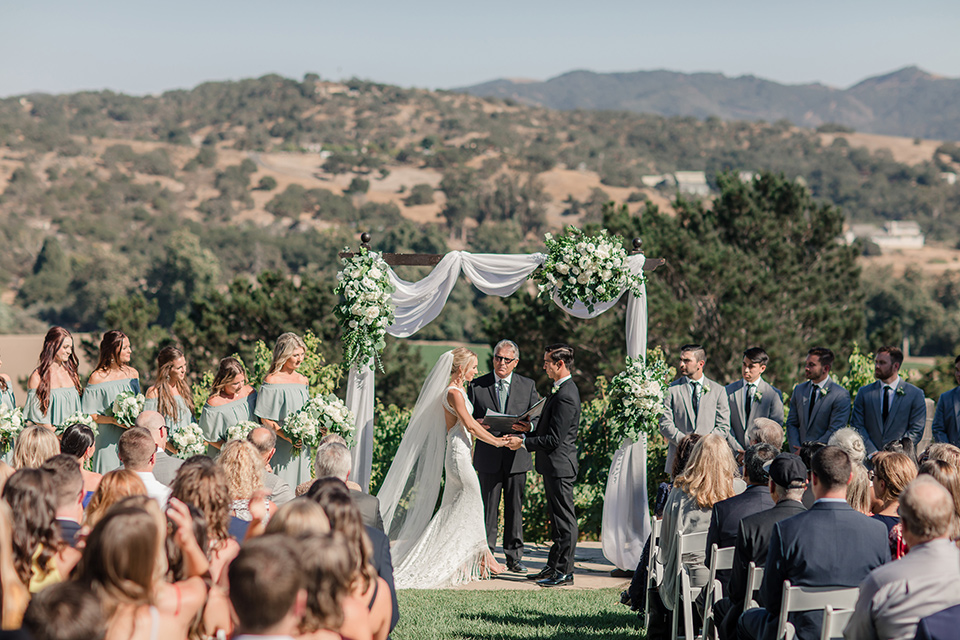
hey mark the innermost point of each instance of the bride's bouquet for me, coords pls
(636, 397)
(127, 406)
(320, 416)
(79, 418)
(11, 424)
(188, 441)
(240, 430)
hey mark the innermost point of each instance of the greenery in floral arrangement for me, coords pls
(79, 418)
(11, 424)
(126, 407)
(201, 391)
(636, 397)
(323, 414)
(240, 430)
(590, 269)
(365, 309)
(188, 441)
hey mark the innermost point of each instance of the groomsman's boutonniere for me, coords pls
(706, 387)
(901, 391)
(554, 388)
(757, 395)
(824, 390)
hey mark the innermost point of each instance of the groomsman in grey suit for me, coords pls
(695, 404)
(752, 397)
(889, 408)
(946, 419)
(819, 406)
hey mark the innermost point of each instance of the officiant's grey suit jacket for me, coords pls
(831, 412)
(946, 419)
(770, 406)
(679, 420)
(907, 416)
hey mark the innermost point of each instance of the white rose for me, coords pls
(375, 273)
(563, 269)
(583, 278)
(372, 313)
(572, 280)
(367, 283)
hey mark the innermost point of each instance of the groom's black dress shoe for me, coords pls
(546, 572)
(516, 567)
(557, 580)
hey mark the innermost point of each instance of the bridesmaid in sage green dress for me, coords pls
(53, 391)
(283, 393)
(231, 402)
(112, 376)
(170, 394)
(9, 400)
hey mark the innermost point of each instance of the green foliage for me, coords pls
(859, 371)
(267, 183)
(358, 185)
(419, 194)
(201, 390)
(187, 270)
(50, 278)
(389, 424)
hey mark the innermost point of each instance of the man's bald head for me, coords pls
(926, 510)
(265, 441)
(154, 422)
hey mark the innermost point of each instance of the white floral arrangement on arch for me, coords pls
(240, 430)
(188, 441)
(11, 424)
(78, 418)
(127, 406)
(637, 397)
(366, 308)
(320, 416)
(590, 269)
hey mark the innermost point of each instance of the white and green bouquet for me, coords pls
(323, 414)
(79, 418)
(636, 397)
(240, 430)
(590, 269)
(188, 441)
(366, 308)
(127, 406)
(11, 424)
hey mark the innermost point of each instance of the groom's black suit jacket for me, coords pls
(522, 395)
(555, 438)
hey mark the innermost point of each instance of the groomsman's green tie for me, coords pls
(500, 402)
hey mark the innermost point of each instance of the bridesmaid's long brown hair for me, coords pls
(51, 344)
(166, 405)
(110, 347)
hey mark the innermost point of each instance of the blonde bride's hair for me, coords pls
(461, 360)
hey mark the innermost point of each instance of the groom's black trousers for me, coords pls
(511, 485)
(563, 522)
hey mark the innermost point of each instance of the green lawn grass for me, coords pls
(559, 614)
(430, 352)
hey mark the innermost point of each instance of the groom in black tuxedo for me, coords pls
(555, 441)
(501, 470)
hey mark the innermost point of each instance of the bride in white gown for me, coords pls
(435, 551)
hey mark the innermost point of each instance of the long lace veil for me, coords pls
(410, 490)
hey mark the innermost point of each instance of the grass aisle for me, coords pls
(505, 615)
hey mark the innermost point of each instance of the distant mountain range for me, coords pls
(909, 102)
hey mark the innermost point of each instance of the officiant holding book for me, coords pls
(502, 471)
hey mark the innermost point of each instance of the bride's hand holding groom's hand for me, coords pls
(512, 442)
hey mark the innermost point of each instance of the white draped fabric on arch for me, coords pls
(626, 520)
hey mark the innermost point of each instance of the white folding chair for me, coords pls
(811, 599)
(651, 566)
(834, 621)
(754, 580)
(683, 593)
(720, 560)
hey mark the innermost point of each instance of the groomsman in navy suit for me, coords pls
(890, 408)
(946, 420)
(819, 406)
(752, 397)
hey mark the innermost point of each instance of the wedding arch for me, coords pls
(626, 520)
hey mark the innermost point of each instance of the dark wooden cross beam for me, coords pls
(432, 259)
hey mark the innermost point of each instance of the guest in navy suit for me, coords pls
(946, 419)
(831, 545)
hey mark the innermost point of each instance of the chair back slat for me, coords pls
(754, 580)
(810, 599)
(834, 622)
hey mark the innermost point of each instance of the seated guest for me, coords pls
(334, 461)
(332, 610)
(860, 490)
(949, 476)
(65, 611)
(940, 626)
(766, 431)
(68, 493)
(807, 450)
(14, 595)
(300, 518)
(138, 453)
(891, 474)
(265, 440)
(268, 589)
(78, 440)
(244, 473)
(850, 440)
(165, 468)
(34, 445)
(114, 487)
(830, 545)
(895, 596)
(787, 481)
(942, 451)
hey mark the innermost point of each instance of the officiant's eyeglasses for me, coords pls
(503, 360)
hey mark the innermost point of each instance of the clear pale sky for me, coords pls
(60, 46)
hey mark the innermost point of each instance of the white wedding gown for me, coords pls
(453, 548)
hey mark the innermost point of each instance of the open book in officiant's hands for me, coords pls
(503, 423)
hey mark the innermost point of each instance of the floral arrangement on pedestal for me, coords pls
(188, 441)
(78, 418)
(590, 269)
(366, 309)
(323, 414)
(127, 406)
(240, 430)
(636, 397)
(11, 424)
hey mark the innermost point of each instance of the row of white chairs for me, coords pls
(837, 603)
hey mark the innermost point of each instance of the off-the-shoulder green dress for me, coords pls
(98, 399)
(276, 401)
(214, 421)
(64, 402)
(173, 423)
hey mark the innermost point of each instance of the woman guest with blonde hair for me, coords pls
(114, 487)
(283, 393)
(892, 472)
(243, 468)
(34, 445)
(170, 394)
(112, 376)
(231, 402)
(53, 390)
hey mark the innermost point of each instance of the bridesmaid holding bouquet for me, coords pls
(112, 376)
(53, 391)
(170, 394)
(231, 402)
